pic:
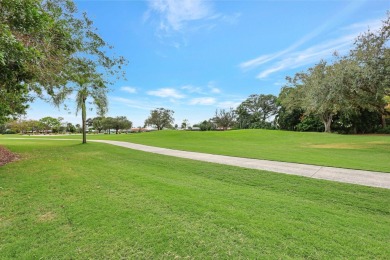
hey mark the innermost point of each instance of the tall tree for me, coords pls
(160, 117)
(91, 84)
(36, 42)
(46, 46)
(372, 71)
(324, 91)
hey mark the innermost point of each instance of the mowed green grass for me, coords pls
(365, 152)
(67, 200)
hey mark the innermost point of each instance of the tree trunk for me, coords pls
(327, 120)
(383, 119)
(84, 118)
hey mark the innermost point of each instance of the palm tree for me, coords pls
(89, 84)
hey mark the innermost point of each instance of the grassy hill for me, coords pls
(366, 152)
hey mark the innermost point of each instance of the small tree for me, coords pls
(121, 123)
(97, 123)
(224, 119)
(160, 117)
(259, 107)
(184, 124)
(108, 124)
(50, 123)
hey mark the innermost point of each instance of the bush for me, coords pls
(385, 130)
(310, 124)
(10, 132)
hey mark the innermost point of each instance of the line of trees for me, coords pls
(349, 95)
(44, 125)
(48, 125)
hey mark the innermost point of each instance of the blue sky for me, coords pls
(196, 56)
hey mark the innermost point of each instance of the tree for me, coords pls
(89, 83)
(108, 124)
(70, 128)
(37, 38)
(49, 123)
(207, 125)
(90, 74)
(46, 46)
(97, 123)
(184, 124)
(160, 117)
(372, 71)
(121, 123)
(255, 110)
(78, 128)
(323, 90)
(224, 119)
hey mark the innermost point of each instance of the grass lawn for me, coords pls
(366, 152)
(67, 200)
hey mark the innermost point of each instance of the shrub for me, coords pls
(385, 130)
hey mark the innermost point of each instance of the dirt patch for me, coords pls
(6, 156)
(338, 146)
(48, 216)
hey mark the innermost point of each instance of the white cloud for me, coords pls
(203, 101)
(290, 58)
(269, 71)
(213, 88)
(130, 90)
(132, 103)
(229, 104)
(192, 89)
(165, 93)
(174, 14)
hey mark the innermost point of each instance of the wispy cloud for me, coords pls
(203, 101)
(175, 19)
(165, 93)
(131, 90)
(213, 88)
(133, 103)
(292, 58)
(175, 14)
(192, 89)
(228, 104)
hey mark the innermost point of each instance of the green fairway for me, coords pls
(67, 200)
(365, 152)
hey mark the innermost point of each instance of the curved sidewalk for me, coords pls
(366, 178)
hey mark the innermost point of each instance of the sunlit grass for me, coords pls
(68, 200)
(366, 152)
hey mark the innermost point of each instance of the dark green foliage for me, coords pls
(310, 123)
(385, 130)
(35, 44)
(160, 118)
(359, 122)
(255, 111)
(349, 95)
(207, 125)
(288, 120)
(224, 119)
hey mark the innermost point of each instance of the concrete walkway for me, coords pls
(366, 178)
